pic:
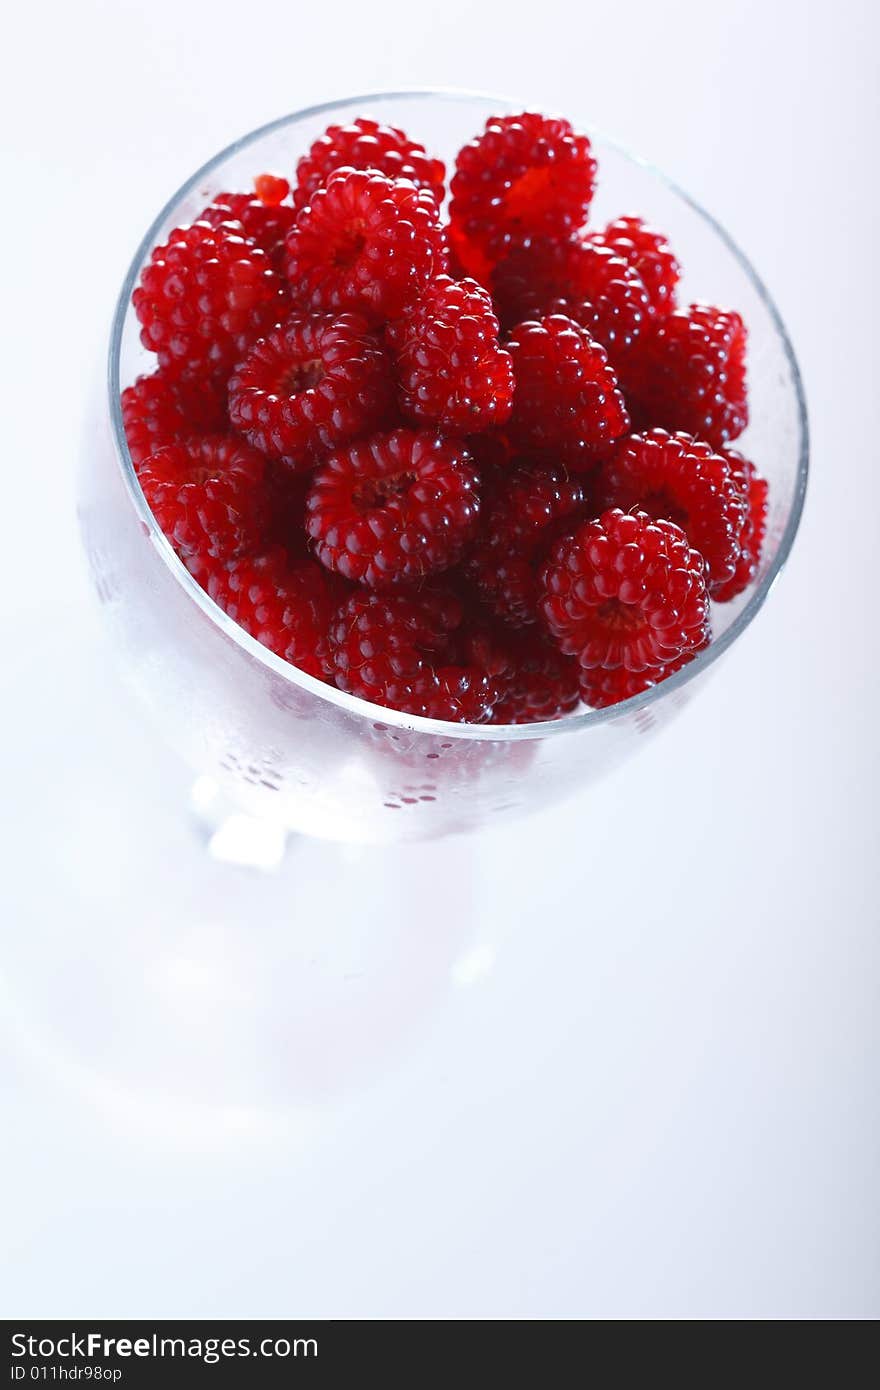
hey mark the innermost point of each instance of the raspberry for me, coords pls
(453, 372)
(600, 688)
(157, 411)
(524, 176)
(754, 491)
(393, 508)
(649, 254)
(676, 477)
(286, 606)
(367, 144)
(204, 297)
(266, 224)
(207, 495)
(522, 519)
(394, 651)
(566, 401)
(366, 243)
(626, 590)
(541, 684)
(590, 284)
(691, 374)
(315, 383)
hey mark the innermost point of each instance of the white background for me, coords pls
(624, 1060)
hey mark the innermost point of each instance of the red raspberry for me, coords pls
(691, 374)
(453, 372)
(207, 495)
(566, 403)
(676, 477)
(315, 383)
(266, 224)
(365, 243)
(626, 590)
(525, 176)
(541, 683)
(393, 508)
(395, 651)
(157, 411)
(286, 606)
(649, 254)
(204, 297)
(523, 515)
(590, 284)
(367, 144)
(600, 688)
(754, 490)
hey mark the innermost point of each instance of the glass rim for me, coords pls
(352, 704)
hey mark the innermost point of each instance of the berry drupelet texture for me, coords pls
(394, 508)
(396, 651)
(567, 404)
(649, 254)
(283, 604)
(754, 491)
(205, 297)
(265, 224)
(625, 591)
(524, 176)
(159, 410)
(677, 477)
(523, 513)
(452, 370)
(691, 374)
(365, 243)
(367, 144)
(317, 382)
(208, 496)
(540, 683)
(588, 283)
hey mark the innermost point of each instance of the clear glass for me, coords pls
(302, 756)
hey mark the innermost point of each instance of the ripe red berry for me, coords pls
(393, 508)
(365, 243)
(677, 477)
(567, 405)
(601, 688)
(522, 515)
(649, 254)
(204, 297)
(571, 276)
(266, 224)
(207, 495)
(526, 175)
(690, 374)
(285, 605)
(367, 144)
(540, 683)
(396, 651)
(754, 491)
(625, 590)
(158, 410)
(452, 370)
(317, 382)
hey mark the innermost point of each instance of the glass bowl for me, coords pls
(303, 756)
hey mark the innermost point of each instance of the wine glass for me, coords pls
(291, 754)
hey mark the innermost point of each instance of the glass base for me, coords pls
(191, 972)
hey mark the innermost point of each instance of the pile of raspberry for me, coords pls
(476, 468)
